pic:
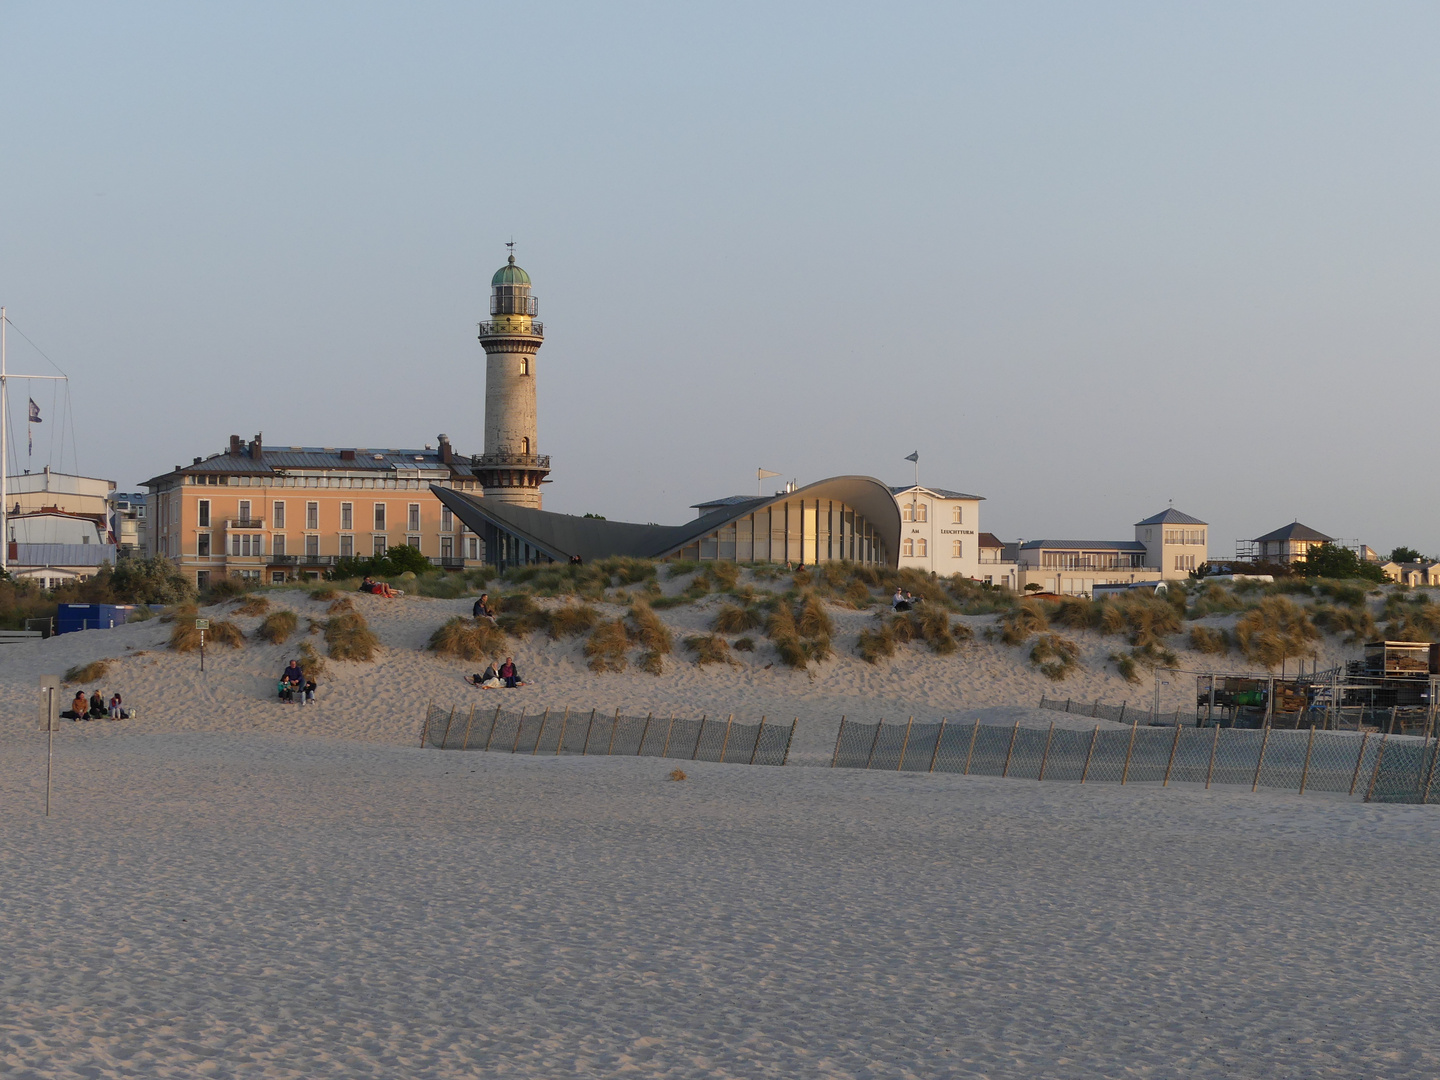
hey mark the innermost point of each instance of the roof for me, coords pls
(939, 493)
(300, 459)
(1086, 545)
(990, 540)
(510, 274)
(1171, 516)
(31, 555)
(1294, 531)
(561, 536)
(728, 500)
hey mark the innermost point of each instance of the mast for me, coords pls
(4, 460)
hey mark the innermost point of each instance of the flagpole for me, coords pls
(4, 462)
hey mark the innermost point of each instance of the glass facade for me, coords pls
(797, 530)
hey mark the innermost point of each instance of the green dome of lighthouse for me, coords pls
(510, 274)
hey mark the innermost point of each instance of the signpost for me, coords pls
(49, 713)
(202, 625)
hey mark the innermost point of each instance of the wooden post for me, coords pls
(519, 727)
(756, 748)
(725, 742)
(1005, 771)
(699, 736)
(494, 720)
(465, 743)
(564, 720)
(585, 746)
(905, 744)
(1393, 710)
(1430, 775)
(874, 742)
(1174, 746)
(1130, 747)
(1094, 712)
(1210, 708)
(974, 734)
(838, 736)
(1379, 757)
(1260, 761)
(936, 752)
(541, 733)
(425, 728)
(1046, 755)
(665, 752)
(1094, 735)
(1360, 757)
(643, 732)
(1305, 769)
(614, 727)
(788, 739)
(446, 737)
(1214, 745)
(1067, 704)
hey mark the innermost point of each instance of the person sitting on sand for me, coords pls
(309, 698)
(509, 675)
(489, 679)
(98, 711)
(293, 673)
(898, 601)
(115, 706)
(79, 708)
(482, 608)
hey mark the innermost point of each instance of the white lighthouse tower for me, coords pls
(511, 470)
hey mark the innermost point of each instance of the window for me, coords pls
(204, 519)
(957, 549)
(312, 545)
(277, 577)
(921, 548)
(312, 515)
(922, 512)
(524, 365)
(1185, 562)
(234, 543)
(244, 509)
(258, 544)
(447, 547)
(347, 516)
(447, 519)
(202, 579)
(413, 523)
(957, 515)
(379, 547)
(380, 519)
(524, 444)
(907, 548)
(474, 543)
(413, 541)
(907, 512)
(347, 547)
(277, 543)
(245, 544)
(202, 545)
(279, 515)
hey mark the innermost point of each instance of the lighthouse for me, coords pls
(511, 469)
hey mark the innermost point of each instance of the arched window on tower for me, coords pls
(524, 445)
(524, 365)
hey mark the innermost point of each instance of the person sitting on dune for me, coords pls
(115, 706)
(898, 601)
(98, 711)
(482, 608)
(509, 674)
(79, 708)
(378, 588)
(489, 679)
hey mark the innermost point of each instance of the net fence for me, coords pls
(592, 734)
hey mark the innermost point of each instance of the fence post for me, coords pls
(519, 727)
(614, 727)
(425, 730)
(1046, 755)
(1210, 708)
(541, 733)
(1173, 747)
(788, 739)
(465, 743)
(495, 720)
(970, 753)
(585, 746)
(1004, 772)
(1042, 699)
(700, 735)
(1379, 757)
(838, 736)
(1214, 745)
(758, 736)
(725, 742)
(445, 738)
(1094, 735)
(1122, 710)
(1129, 748)
(1067, 704)
(1305, 769)
(1393, 710)
(936, 752)
(905, 745)
(643, 732)
(1260, 761)
(873, 742)
(1360, 757)
(665, 751)
(1430, 775)
(564, 720)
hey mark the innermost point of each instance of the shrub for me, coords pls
(1215, 599)
(812, 620)
(154, 580)
(606, 646)
(857, 595)
(1074, 612)
(1054, 655)
(88, 673)
(311, 662)
(709, 649)
(321, 593)
(745, 644)
(1275, 630)
(277, 627)
(253, 605)
(467, 639)
(647, 629)
(349, 637)
(1209, 640)
(225, 632)
(226, 587)
(1346, 593)
(1356, 623)
(874, 644)
(733, 619)
(572, 620)
(1025, 621)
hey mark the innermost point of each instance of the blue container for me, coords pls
(72, 617)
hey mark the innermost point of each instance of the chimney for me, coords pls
(257, 448)
(235, 445)
(197, 461)
(347, 455)
(447, 456)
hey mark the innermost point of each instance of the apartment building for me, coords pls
(287, 514)
(939, 530)
(1167, 545)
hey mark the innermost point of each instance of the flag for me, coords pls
(915, 457)
(761, 474)
(29, 432)
(34, 412)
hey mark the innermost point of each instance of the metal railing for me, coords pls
(304, 560)
(492, 327)
(503, 460)
(243, 523)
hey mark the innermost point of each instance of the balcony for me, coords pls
(448, 562)
(303, 560)
(242, 524)
(510, 461)
(501, 329)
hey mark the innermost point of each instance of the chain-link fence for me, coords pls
(1377, 767)
(591, 733)
(1124, 713)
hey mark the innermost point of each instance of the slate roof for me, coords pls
(1295, 531)
(1085, 545)
(1171, 516)
(279, 461)
(32, 555)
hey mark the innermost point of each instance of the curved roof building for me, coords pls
(853, 518)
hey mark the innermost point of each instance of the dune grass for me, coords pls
(606, 646)
(735, 619)
(1024, 622)
(875, 645)
(88, 673)
(349, 637)
(1212, 641)
(277, 627)
(1277, 629)
(571, 620)
(745, 644)
(709, 649)
(1356, 623)
(345, 603)
(311, 662)
(1054, 655)
(1214, 599)
(253, 605)
(468, 639)
(185, 638)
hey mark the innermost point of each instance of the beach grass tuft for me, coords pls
(709, 649)
(1054, 655)
(468, 639)
(277, 627)
(349, 637)
(88, 673)
(253, 605)
(606, 646)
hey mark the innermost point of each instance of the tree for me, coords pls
(1404, 554)
(403, 557)
(156, 580)
(1332, 561)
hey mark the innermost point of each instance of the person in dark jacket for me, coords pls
(509, 674)
(98, 709)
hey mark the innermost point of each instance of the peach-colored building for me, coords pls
(290, 513)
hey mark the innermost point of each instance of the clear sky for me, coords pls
(1086, 258)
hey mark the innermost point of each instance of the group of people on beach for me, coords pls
(294, 686)
(498, 676)
(379, 588)
(903, 601)
(94, 708)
